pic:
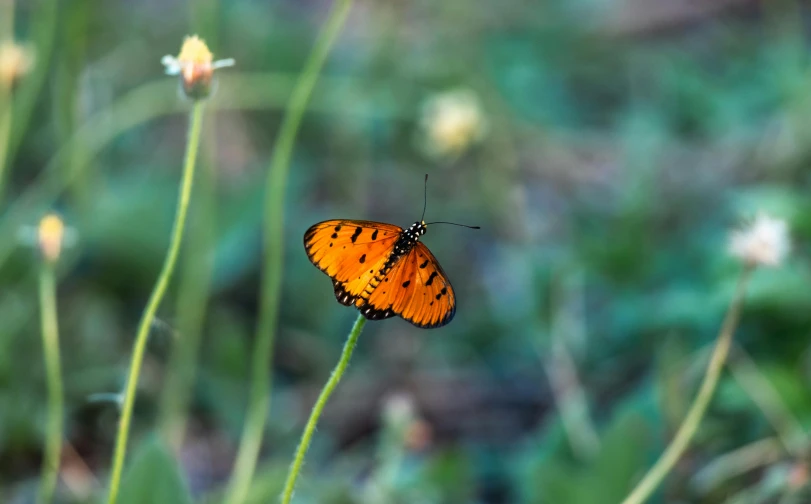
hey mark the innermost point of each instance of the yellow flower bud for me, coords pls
(195, 66)
(51, 233)
(16, 60)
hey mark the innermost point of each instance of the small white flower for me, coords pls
(764, 242)
(399, 409)
(452, 121)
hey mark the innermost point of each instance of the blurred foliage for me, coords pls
(624, 139)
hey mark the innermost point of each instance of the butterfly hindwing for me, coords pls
(351, 252)
(415, 288)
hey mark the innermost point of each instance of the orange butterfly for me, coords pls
(383, 270)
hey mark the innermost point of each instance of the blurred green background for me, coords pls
(618, 143)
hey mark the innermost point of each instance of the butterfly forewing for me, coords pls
(416, 289)
(351, 252)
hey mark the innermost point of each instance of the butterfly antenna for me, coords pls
(454, 224)
(425, 198)
(425, 204)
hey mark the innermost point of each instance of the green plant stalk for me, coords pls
(50, 346)
(192, 298)
(307, 435)
(259, 399)
(6, 34)
(193, 142)
(645, 488)
(5, 133)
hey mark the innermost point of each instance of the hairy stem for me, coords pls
(307, 435)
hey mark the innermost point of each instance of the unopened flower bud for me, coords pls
(195, 66)
(16, 60)
(51, 233)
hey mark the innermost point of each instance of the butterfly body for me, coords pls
(382, 270)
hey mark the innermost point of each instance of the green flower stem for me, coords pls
(695, 414)
(5, 131)
(259, 400)
(195, 127)
(193, 291)
(50, 344)
(307, 435)
(6, 35)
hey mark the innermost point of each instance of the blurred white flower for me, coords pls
(451, 122)
(764, 242)
(398, 409)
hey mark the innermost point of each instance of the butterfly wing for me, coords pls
(415, 288)
(351, 252)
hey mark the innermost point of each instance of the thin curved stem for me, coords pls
(5, 132)
(193, 292)
(307, 435)
(272, 266)
(645, 488)
(195, 127)
(6, 36)
(50, 347)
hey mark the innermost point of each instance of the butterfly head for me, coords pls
(418, 229)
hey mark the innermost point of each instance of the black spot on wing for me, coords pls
(374, 235)
(406, 283)
(362, 259)
(358, 231)
(424, 264)
(434, 274)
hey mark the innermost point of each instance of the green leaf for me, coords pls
(153, 477)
